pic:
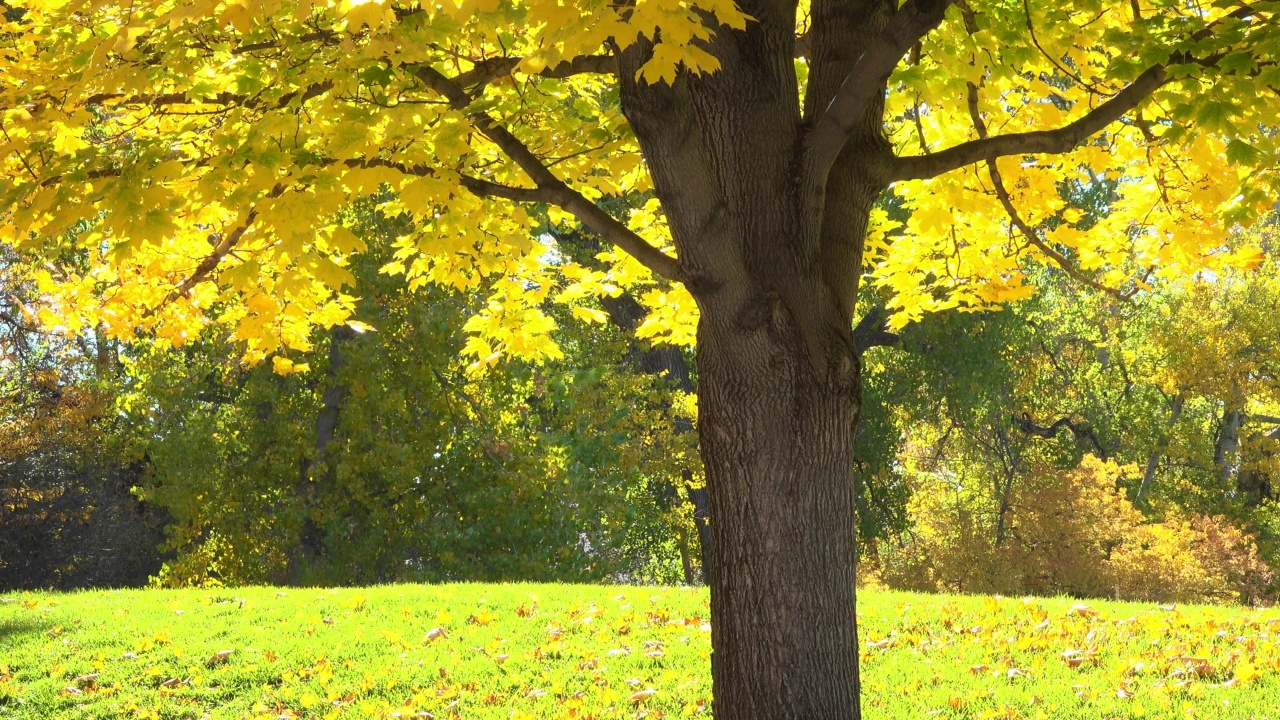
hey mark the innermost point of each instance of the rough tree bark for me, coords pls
(768, 208)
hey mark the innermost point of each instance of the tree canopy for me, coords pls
(198, 154)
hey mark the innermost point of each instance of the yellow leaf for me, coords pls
(345, 241)
(591, 315)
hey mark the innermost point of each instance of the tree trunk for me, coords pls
(1224, 450)
(311, 540)
(1254, 483)
(769, 224)
(627, 313)
(701, 519)
(777, 443)
(1153, 462)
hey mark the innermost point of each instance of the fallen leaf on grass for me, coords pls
(642, 695)
(1082, 610)
(218, 658)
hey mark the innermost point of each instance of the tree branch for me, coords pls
(1081, 431)
(209, 264)
(1028, 232)
(1067, 137)
(224, 246)
(486, 71)
(1059, 140)
(871, 331)
(1033, 238)
(551, 188)
(867, 79)
(224, 98)
(476, 186)
(483, 73)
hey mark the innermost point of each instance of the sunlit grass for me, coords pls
(559, 651)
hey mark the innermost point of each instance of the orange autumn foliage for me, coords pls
(1072, 533)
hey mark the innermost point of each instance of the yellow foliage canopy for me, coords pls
(197, 154)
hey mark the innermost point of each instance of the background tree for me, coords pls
(209, 145)
(67, 516)
(382, 458)
(999, 410)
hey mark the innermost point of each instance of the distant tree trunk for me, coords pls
(1224, 450)
(1004, 488)
(1153, 460)
(627, 313)
(1254, 483)
(698, 496)
(309, 487)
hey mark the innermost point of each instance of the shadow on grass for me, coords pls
(14, 630)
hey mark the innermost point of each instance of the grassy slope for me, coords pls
(589, 651)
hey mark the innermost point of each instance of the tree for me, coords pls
(392, 464)
(191, 157)
(67, 517)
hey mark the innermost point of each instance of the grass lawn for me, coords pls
(563, 651)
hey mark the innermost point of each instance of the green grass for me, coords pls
(559, 651)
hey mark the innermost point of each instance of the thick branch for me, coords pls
(871, 331)
(476, 186)
(486, 71)
(1028, 232)
(1067, 137)
(223, 98)
(1081, 431)
(483, 73)
(551, 188)
(866, 81)
(1060, 140)
(211, 261)
(224, 246)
